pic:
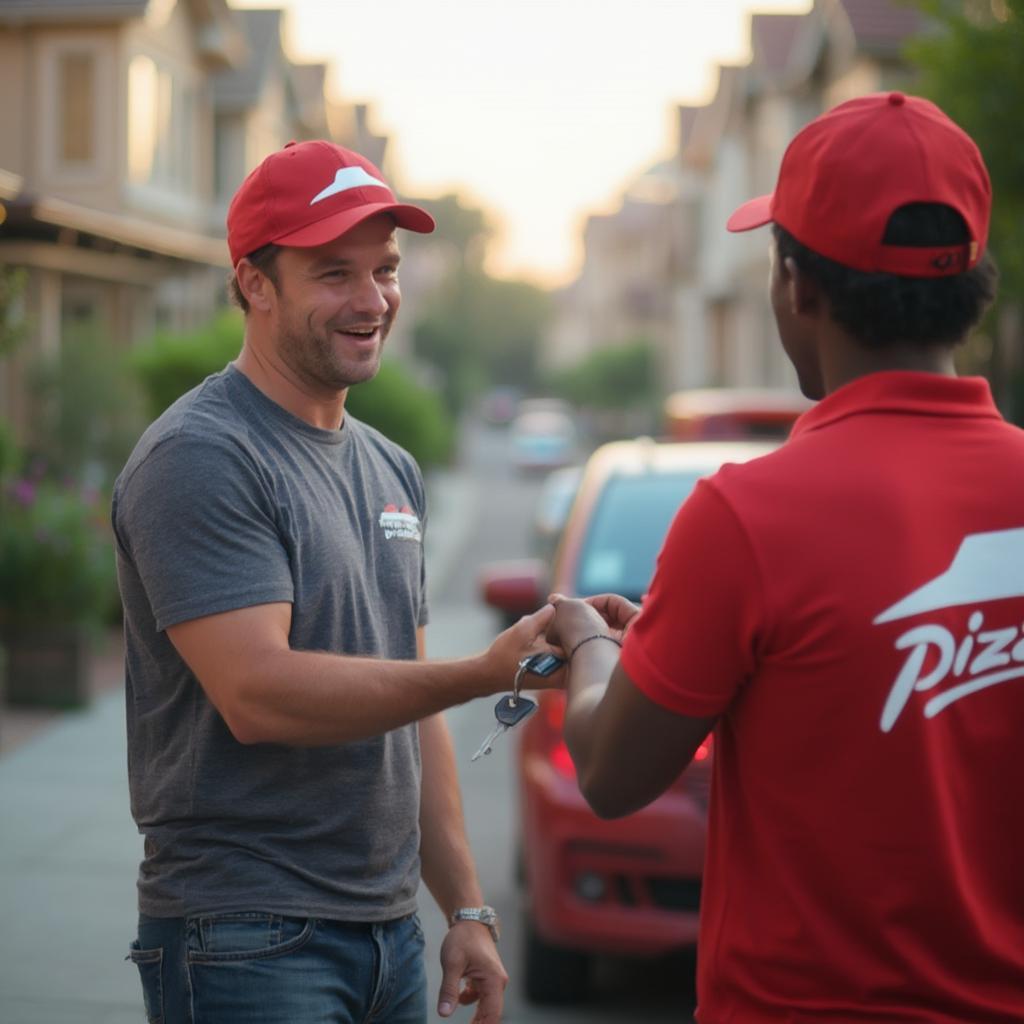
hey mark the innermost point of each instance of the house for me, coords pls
(705, 302)
(801, 66)
(106, 167)
(127, 126)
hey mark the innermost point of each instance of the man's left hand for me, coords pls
(468, 954)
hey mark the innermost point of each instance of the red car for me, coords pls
(630, 886)
(720, 414)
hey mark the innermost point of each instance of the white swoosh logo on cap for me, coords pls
(346, 178)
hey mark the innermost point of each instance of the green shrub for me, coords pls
(175, 363)
(87, 410)
(56, 558)
(10, 456)
(404, 412)
(392, 402)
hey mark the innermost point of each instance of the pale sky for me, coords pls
(538, 110)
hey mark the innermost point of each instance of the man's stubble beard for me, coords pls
(313, 357)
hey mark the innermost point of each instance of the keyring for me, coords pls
(517, 682)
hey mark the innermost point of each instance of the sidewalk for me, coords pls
(69, 850)
(68, 854)
(20, 725)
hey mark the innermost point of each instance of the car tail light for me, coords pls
(561, 760)
(554, 710)
(553, 716)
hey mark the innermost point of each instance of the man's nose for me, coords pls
(369, 297)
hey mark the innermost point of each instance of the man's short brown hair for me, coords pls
(264, 260)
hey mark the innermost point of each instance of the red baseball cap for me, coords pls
(845, 174)
(309, 193)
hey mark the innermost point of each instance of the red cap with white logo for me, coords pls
(310, 193)
(846, 173)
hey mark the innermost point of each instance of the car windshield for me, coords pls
(627, 529)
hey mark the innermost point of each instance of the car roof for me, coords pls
(542, 419)
(645, 455)
(711, 401)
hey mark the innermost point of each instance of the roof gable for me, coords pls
(882, 26)
(241, 86)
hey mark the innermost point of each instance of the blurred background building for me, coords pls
(663, 268)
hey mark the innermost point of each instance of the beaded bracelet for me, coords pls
(595, 636)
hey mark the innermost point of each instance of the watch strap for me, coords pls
(484, 915)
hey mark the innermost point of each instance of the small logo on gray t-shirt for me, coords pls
(400, 523)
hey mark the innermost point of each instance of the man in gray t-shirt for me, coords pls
(288, 763)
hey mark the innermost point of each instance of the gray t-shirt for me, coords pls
(230, 501)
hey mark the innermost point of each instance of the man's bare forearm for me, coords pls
(269, 693)
(447, 863)
(307, 698)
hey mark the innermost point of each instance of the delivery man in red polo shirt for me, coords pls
(847, 614)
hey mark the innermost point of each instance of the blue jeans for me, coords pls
(257, 968)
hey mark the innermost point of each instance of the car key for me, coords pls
(509, 711)
(541, 664)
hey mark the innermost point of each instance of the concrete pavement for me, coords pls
(69, 851)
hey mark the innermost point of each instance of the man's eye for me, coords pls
(390, 271)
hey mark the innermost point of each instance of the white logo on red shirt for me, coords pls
(400, 523)
(987, 567)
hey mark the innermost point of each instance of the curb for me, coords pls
(453, 498)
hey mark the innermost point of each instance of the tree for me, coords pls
(616, 377)
(464, 230)
(972, 66)
(616, 388)
(478, 331)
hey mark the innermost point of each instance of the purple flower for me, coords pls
(23, 492)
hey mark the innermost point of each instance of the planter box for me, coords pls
(47, 666)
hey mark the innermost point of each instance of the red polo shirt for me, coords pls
(852, 605)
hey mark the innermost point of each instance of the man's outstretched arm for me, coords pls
(268, 693)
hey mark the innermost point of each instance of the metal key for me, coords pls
(509, 711)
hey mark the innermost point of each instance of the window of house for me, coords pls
(75, 79)
(142, 124)
(76, 86)
(162, 113)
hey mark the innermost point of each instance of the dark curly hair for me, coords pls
(881, 310)
(263, 259)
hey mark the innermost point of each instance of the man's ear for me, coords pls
(803, 296)
(257, 288)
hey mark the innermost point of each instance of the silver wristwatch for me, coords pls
(485, 915)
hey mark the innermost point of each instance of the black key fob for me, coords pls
(543, 663)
